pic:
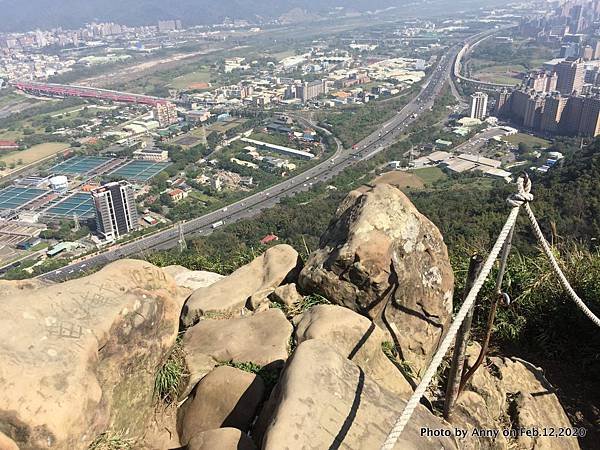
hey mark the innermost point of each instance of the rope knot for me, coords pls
(523, 194)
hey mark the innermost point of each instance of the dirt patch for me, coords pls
(399, 179)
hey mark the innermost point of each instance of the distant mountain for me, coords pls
(20, 15)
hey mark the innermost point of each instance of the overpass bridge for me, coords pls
(62, 91)
(470, 44)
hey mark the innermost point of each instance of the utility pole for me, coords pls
(203, 140)
(181, 241)
(460, 345)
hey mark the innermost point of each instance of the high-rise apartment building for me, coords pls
(571, 76)
(169, 25)
(553, 111)
(571, 117)
(165, 113)
(587, 53)
(308, 90)
(502, 102)
(479, 102)
(596, 47)
(116, 213)
(541, 81)
(589, 124)
(518, 103)
(533, 111)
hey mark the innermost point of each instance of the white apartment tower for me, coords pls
(479, 101)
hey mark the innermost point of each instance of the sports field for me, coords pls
(533, 141)
(192, 80)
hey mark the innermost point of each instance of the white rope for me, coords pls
(401, 422)
(561, 276)
(521, 198)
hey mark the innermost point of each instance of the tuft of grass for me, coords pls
(307, 302)
(270, 376)
(389, 349)
(169, 378)
(112, 440)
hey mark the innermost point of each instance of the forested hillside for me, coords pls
(27, 15)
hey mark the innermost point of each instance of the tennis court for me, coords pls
(80, 165)
(80, 204)
(13, 197)
(137, 170)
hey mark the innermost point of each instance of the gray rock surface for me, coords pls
(226, 397)
(230, 294)
(384, 259)
(79, 357)
(221, 439)
(262, 338)
(192, 279)
(287, 295)
(323, 401)
(355, 337)
(505, 393)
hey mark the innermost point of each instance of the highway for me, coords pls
(373, 144)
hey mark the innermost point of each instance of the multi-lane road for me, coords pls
(376, 142)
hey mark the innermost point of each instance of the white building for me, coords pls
(479, 102)
(151, 154)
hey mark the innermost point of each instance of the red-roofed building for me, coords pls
(177, 195)
(9, 145)
(269, 238)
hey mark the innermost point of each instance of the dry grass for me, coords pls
(400, 179)
(35, 153)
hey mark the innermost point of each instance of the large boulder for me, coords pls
(262, 339)
(229, 295)
(226, 397)
(355, 337)
(507, 393)
(382, 258)
(192, 279)
(324, 400)
(80, 357)
(221, 439)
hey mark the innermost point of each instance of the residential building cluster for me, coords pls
(326, 78)
(569, 17)
(559, 101)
